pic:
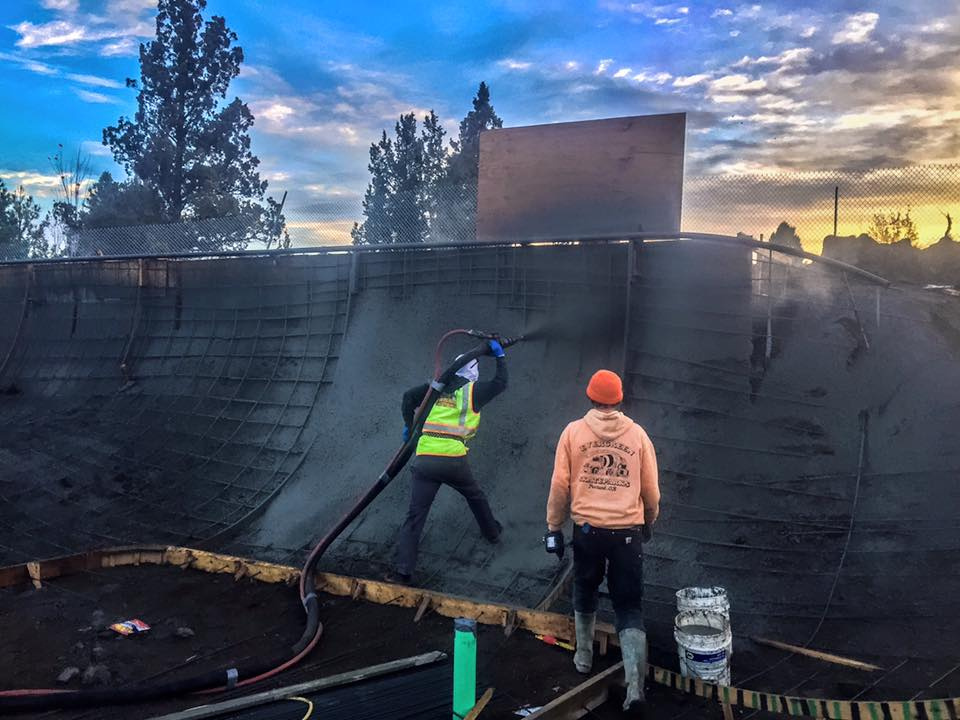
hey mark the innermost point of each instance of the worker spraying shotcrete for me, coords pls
(605, 477)
(441, 454)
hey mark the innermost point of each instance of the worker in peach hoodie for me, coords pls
(605, 478)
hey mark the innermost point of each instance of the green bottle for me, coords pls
(464, 666)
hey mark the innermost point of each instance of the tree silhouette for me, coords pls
(187, 150)
(407, 174)
(114, 204)
(786, 234)
(894, 227)
(376, 229)
(434, 185)
(459, 211)
(21, 229)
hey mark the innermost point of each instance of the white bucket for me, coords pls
(704, 645)
(713, 599)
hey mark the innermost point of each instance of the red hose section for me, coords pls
(275, 671)
(31, 692)
(436, 356)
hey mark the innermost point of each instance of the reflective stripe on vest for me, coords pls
(450, 424)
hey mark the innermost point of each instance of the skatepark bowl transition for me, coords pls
(804, 416)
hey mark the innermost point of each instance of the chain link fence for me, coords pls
(887, 204)
(793, 208)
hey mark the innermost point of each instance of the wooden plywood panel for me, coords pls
(581, 179)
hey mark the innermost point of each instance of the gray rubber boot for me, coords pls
(583, 658)
(633, 646)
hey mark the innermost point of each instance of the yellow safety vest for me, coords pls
(450, 424)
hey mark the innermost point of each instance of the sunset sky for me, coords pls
(770, 87)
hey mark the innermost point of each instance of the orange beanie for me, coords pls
(605, 388)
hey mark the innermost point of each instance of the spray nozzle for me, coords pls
(483, 334)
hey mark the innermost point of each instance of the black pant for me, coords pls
(618, 554)
(428, 474)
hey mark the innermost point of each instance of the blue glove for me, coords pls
(496, 349)
(406, 433)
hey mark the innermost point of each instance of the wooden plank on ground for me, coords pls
(481, 704)
(347, 678)
(826, 657)
(421, 611)
(583, 698)
(215, 563)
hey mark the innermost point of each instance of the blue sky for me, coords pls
(769, 85)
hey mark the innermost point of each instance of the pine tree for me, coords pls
(22, 233)
(406, 170)
(418, 191)
(435, 185)
(458, 215)
(114, 204)
(184, 143)
(375, 229)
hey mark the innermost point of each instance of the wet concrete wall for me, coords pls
(261, 397)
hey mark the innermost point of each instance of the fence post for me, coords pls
(836, 207)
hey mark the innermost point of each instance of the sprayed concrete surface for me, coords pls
(243, 404)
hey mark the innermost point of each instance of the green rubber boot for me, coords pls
(583, 658)
(633, 646)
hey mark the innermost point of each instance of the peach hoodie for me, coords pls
(605, 472)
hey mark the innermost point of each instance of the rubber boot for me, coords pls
(633, 646)
(583, 658)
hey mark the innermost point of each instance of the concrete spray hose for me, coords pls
(222, 680)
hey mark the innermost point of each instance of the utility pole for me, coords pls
(836, 207)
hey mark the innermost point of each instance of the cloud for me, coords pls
(58, 32)
(683, 10)
(511, 64)
(26, 63)
(690, 80)
(37, 184)
(311, 233)
(668, 21)
(734, 33)
(95, 80)
(857, 28)
(40, 68)
(96, 148)
(808, 32)
(622, 72)
(120, 48)
(737, 84)
(722, 12)
(120, 24)
(95, 97)
(603, 66)
(571, 65)
(276, 112)
(299, 117)
(326, 190)
(793, 57)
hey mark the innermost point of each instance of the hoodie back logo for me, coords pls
(606, 471)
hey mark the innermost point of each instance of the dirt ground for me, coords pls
(64, 625)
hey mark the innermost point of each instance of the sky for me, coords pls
(781, 86)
